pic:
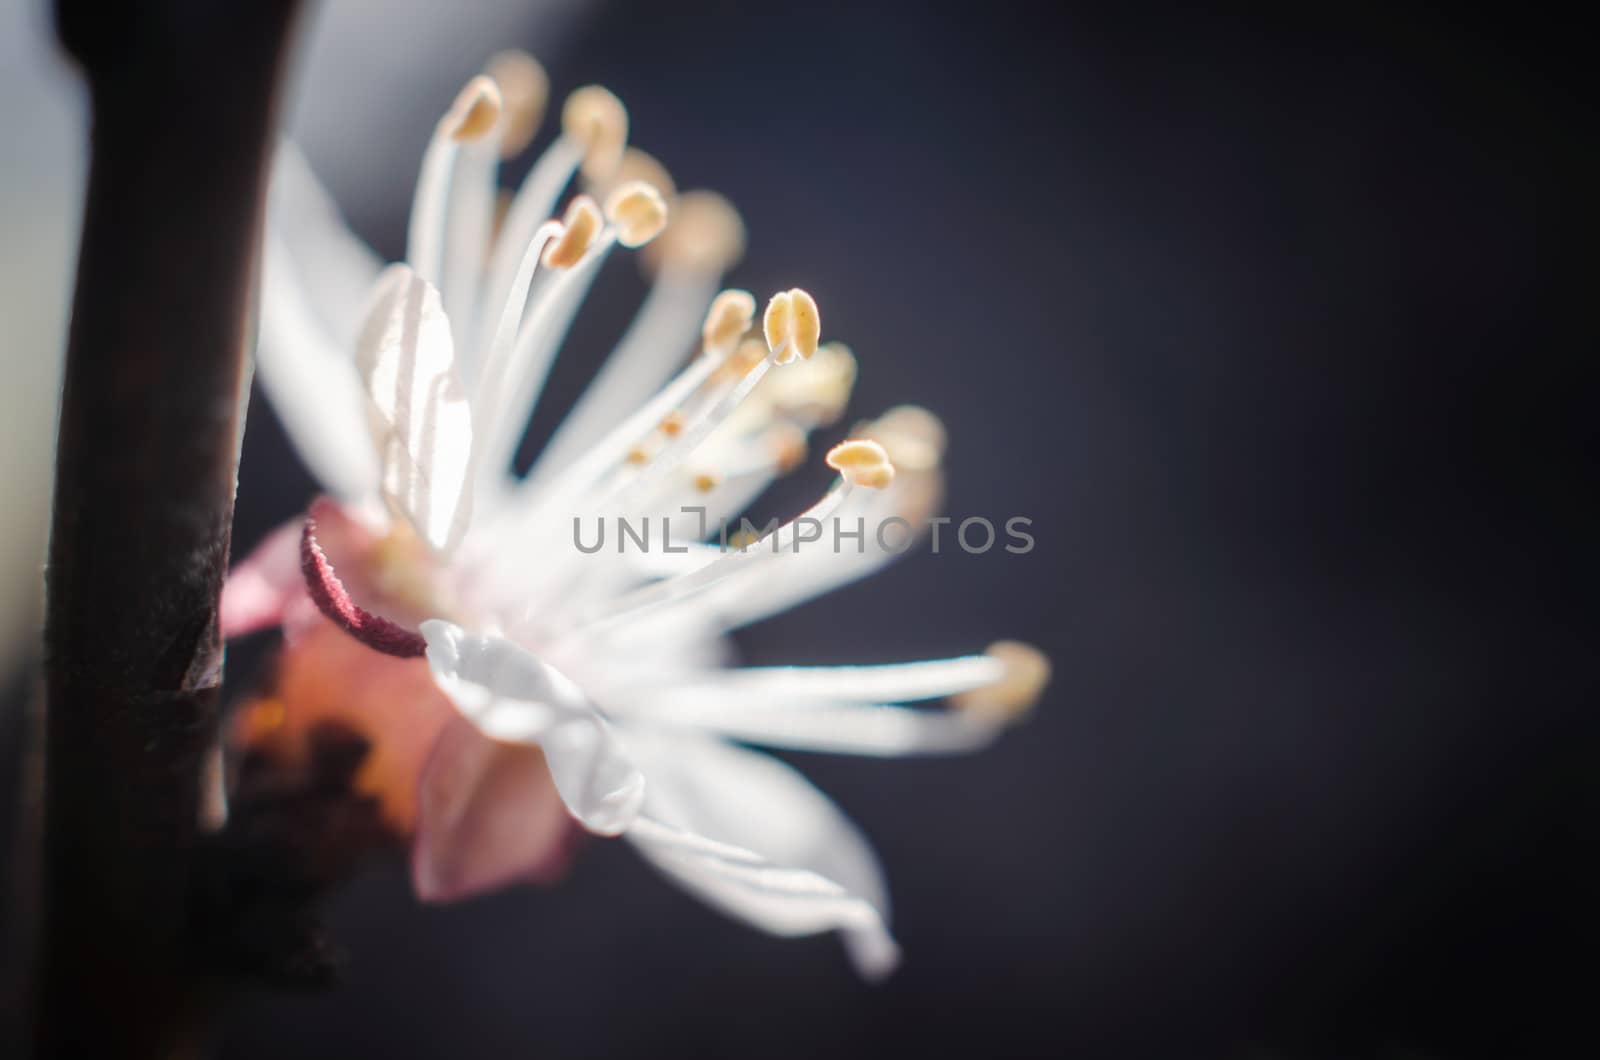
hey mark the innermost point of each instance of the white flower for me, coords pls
(611, 663)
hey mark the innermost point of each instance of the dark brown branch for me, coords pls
(182, 95)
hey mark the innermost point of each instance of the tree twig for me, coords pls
(183, 102)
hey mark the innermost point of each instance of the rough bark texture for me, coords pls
(182, 95)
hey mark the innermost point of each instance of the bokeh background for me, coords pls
(1259, 320)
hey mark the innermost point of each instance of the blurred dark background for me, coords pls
(1259, 320)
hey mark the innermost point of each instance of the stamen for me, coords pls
(731, 314)
(912, 498)
(789, 447)
(453, 205)
(492, 395)
(502, 210)
(604, 454)
(742, 362)
(333, 600)
(637, 164)
(747, 552)
(596, 119)
(474, 113)
(738, 465)
(843, 727)
(578, 230)
(882, 683)
(705, 235)
(1027, 671)
(913, 437)
(817, 390)
(524, 90)
(549, 314)
(713, 408)
(672, 424)
(638, 211)
(531, 207)
(792, 325)
(862, 463)
(643, 360)
(742, 454)
(596, 474)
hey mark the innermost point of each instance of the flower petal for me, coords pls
(336, 267)
(513, 697)
(488, 815)
(312, 381)
(754, 839)
(420, 419)
(261, 587)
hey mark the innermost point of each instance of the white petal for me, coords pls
(261, 587)
(419, 415)
(337, 269)
(510, 695)
(600, 786)
(754, 839)
(312, 383)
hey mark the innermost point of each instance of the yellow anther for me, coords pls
(641, 165)
(705, 482)
(578, 229)
(597, 121)
(672, 424)
(1026, 673)
(788, 447)
(862, 463)
(259, 720)
(706, 234)
(730, 316)
(638, 211)
(913, 437)
(524, 89)
(474, 113)
(273, 713)
(792, 325)
(816, 390)
(638, 455)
